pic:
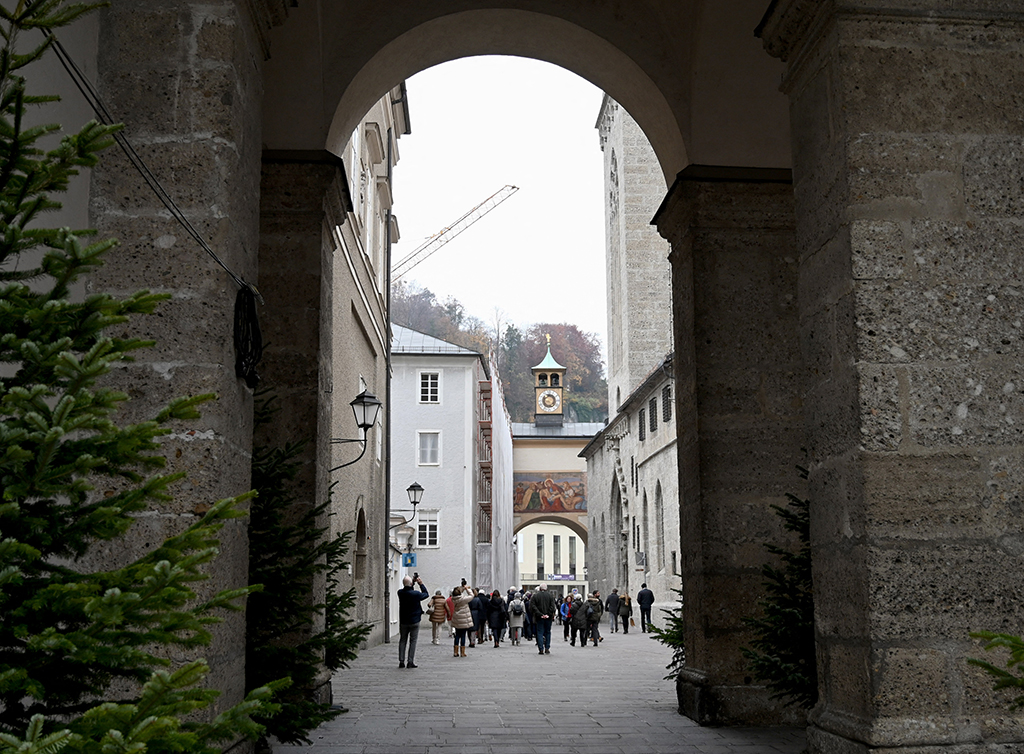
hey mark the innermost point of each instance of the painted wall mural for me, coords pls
(551, 492)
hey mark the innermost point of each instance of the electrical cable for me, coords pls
(88, 91)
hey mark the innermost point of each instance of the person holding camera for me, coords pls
(409, 613)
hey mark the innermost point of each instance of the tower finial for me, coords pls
(548, 336)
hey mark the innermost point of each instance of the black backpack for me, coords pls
(517, 607)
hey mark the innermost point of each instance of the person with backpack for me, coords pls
(516, 618)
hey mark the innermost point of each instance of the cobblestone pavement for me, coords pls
(605, 700)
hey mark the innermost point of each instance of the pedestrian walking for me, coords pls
(625, 611)
(645, 599)
(543, 608)
(578, 619)
(497, 617)
(528, 632)
(438, 615)
(410, 610)
(563, 615)
(594, 612)
(476, 606)
(462, 617)
(611, 606)
(516, 619)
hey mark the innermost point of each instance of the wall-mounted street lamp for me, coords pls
(415, 492)
(365, 406)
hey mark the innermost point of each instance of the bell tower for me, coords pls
(548, 384)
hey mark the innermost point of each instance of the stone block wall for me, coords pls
(183, 79)
(739, 420)
(907, 130)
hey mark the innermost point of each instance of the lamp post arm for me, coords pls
(339, 441)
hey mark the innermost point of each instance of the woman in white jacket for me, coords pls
(462, 620)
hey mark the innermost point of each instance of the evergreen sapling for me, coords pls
(782, 655)
(83, 654)
(289, 551)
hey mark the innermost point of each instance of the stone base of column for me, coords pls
(708, 703)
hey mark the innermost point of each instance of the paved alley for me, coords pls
(604, 700)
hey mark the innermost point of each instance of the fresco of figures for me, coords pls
(558, 492)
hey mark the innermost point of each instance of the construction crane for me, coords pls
(443, 236)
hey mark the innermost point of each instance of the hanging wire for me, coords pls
(96, 102)
(247, 336)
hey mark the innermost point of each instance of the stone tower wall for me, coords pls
(639, 287)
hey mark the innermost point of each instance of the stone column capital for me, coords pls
(789, 25)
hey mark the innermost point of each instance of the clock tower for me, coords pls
(548, 383)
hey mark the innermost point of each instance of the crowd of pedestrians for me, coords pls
(472, 616)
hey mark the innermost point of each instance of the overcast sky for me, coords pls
(478, 124)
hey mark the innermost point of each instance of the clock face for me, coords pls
(549, 401)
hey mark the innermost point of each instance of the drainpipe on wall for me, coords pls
(387, 411)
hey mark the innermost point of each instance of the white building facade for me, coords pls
(450, 434)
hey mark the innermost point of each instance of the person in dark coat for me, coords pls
(543, 607)
(528, 624)
(594, 611)
(410, 610)
(497, 616)
(578, 621)
(645, 599)
(612, 606)
(478, 609)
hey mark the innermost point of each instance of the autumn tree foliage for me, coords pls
(586, 389)
(418, 308)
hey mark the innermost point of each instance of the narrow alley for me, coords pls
(605, 700)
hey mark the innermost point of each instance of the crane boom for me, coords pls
(443, 236)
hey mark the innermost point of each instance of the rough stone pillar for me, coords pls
(183, 79)
(739, 424)
(293, 190)
(907, 127)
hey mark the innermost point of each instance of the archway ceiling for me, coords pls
(689, 71)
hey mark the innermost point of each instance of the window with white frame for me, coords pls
(426, 529)
(429, 444)
(430, 387)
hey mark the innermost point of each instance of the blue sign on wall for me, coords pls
(409, 560)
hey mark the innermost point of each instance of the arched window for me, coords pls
(360, 549)
(659, 521)
(554, 380)
(542, 380)
(645, 530)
